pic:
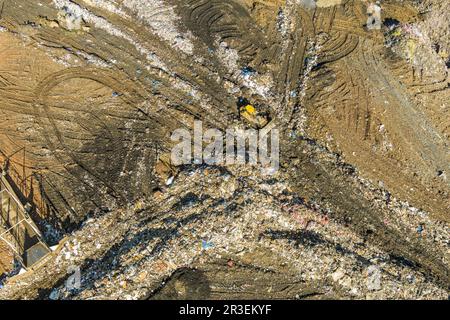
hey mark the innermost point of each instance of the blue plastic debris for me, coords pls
(307, 60)
(247, 71)
(242, 102)
(207, 245)
(420, 229)
(293, 134)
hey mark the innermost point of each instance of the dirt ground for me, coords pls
(6, 259)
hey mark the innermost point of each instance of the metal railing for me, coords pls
(26, 179)
(17, 200)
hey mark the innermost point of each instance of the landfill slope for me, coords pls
(359, 208)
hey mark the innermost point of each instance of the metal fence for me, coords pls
(17, 200)
(29, 181)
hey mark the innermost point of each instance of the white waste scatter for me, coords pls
(307, 4)
(67, 255)
(169, 181)
(54, 295)
(228, 56)
(374, 16)
(258, 84)
(337, 275)
(162, 18)
(103, 24)
(373, 278)
(72, 19)
(107, 5)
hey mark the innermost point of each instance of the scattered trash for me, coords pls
(170, 181)
(410, 278)
(73, 282)
(155, 85)
(70, 19)
(420, 229)
(54, 295)
(338, 275)
(248, 71)
(298, 218)
(235, 209)
(207, 245)
(293, 134)
(391, 23)
(324, 221)
(242, 102)
(373, 278)
(374, 16)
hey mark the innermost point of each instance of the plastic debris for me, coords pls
(170, 181)
(248, 71)
(374, 16)
(373, 278)
(420, 229)
(54, 295)
(207, 245)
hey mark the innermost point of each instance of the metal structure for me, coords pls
(26, 180)
(19, 232)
